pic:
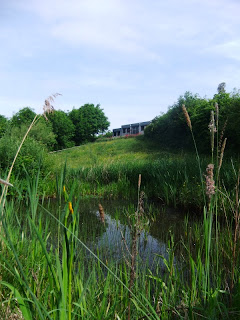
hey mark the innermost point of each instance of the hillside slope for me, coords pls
(122, 150)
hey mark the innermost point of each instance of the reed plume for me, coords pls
(210, 183)
(186, 115)
(212, 129)
(48, 107)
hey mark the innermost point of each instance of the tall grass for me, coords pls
(50, 279)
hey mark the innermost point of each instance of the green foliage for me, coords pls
(3, 125)
(63, 128)
(170, 130)
(23, 116)
(88, 121)
(32, 151)
(110, 169)
(43, 133)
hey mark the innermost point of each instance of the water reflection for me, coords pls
(107, 239)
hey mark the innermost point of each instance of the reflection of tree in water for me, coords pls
(90, 224)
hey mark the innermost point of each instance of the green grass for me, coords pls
(121, 150)
(45, 273)
(110, 169)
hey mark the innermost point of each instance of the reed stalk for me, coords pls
(236, 233)
(188, 121)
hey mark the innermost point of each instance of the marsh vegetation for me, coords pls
(62, 258)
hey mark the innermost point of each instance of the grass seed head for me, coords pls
(222, 152)
(186, 115)
(212, 129)
(210, 184)
(48, 107)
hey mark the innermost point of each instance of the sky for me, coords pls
(133, 57)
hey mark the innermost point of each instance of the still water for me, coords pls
(112, 239)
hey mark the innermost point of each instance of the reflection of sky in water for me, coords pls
(106, 240)
(111, 244)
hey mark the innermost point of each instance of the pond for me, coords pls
(111, 240)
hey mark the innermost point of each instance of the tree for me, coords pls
(3, 125)
(42, 132)
(23, 116)
(221, 87)
(88, 120)
(63, 128)
(170, 130)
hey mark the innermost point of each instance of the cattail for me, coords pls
(101, 212)
(222, 152)
(186, 115)
(210, 184)
(6, 183)
(70, 207)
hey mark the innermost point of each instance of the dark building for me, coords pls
(134, 128)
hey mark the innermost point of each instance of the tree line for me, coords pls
(170, 130)
(63, 129)
(59, 131)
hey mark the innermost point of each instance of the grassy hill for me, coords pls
(120, 150)
(110, 169)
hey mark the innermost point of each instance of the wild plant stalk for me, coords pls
(136, 227)
(236, 232)
(5, 189)
(47, 108)
(188, 121)
(210, 191)
(217, 179)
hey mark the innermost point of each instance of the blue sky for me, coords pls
(133, 57)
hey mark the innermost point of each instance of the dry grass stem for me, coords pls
(14, 160)
(222, 134)
(47, 109)
(186, 115)
(139, 181)
(6, 183)
(236, 233)
(222, 153)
